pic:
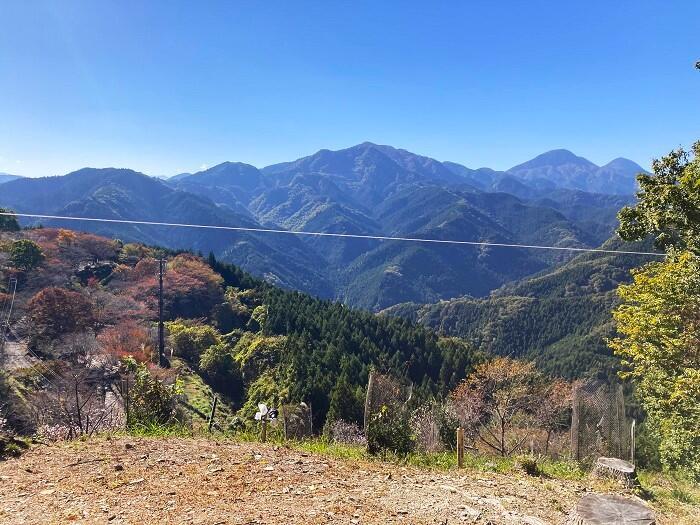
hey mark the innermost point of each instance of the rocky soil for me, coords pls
(129, 480)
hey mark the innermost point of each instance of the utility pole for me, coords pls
(161, 333)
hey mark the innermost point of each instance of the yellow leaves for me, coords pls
(66, 237)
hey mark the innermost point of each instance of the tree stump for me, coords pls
(599, 509)
(617, 469)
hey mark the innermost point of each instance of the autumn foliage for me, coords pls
(505, 394)
(54, 312)
(127, 339)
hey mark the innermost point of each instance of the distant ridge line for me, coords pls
(337, 235)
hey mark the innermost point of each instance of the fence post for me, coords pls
(213, 412)
(460, 447)
(263, 431)
(368, 398)
(126, 400)
(632, 436)
(284, 421)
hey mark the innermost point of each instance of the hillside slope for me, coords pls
(559, 318)
(279, 345)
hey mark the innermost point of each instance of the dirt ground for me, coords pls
(146, 481)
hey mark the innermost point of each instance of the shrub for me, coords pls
(25, 254)
(222, 371)
(11, 446)
(530, 466)
(190, 341)
(389, 432)
(8, 222)
(346, 433)
(151, 400)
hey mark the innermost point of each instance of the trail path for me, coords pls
(15, 356)
(129, 480)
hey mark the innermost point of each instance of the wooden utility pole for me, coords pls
(460, 447)
(161, 331)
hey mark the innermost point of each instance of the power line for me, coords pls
(337, 235)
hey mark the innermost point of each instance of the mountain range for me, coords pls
(560, 318)
(556, 199)
(6, 177)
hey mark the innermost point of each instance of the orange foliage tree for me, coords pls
(127, 339)
(54, 312)
(191, 287)
(494, 397)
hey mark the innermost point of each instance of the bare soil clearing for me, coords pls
(173, 480)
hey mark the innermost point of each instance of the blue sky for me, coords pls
(166, 87)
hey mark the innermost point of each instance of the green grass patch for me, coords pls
(198, 397)
(444, 461)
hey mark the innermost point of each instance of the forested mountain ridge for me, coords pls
(560, 318)
(125, 194)
(6, 177)
(367, 189)
(249, 340)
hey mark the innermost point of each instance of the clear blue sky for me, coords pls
(165, 87)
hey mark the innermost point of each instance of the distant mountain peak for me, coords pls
(621, 163)
(555, 157)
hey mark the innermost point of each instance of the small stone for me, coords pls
(118, 467)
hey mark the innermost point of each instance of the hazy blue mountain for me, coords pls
(233, 184)
(566, 170)
(366, 173)
(178, 176)
(367, 189)
(6, 177)
(125, 194)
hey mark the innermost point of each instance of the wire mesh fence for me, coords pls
(427, 422)
(599, 426)
(297, 422)
(386, 391)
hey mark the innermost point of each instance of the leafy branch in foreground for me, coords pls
(659, 323)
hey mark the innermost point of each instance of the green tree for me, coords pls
(659, 323)
(668, 203)
(151, 401)
(25, 254)
(189, 341)
(659, 318)
(8, 222)
(346, 403)
(222, 371)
